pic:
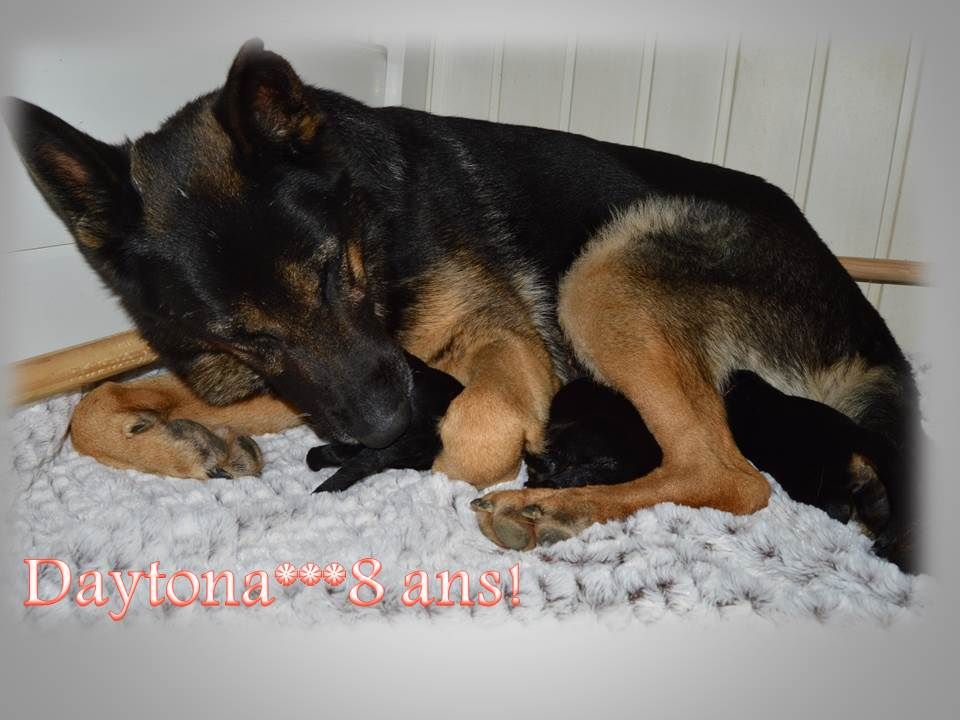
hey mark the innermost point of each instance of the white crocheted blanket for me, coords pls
(789, 560)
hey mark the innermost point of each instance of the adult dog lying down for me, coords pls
(280, 246)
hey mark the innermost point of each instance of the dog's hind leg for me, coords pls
(619, 326)
(159, 425)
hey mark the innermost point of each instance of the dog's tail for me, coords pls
(884, 402)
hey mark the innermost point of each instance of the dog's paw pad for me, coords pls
(532, 512)
(513, 533)
(523, 519)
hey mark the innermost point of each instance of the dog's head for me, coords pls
(235, 236)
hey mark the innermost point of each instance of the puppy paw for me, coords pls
(331, 455)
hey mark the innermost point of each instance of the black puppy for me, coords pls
(417, 448)
(596, 437)
(817, 454)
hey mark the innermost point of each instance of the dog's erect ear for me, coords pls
(264, 103)
(86, 182)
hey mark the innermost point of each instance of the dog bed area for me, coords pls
(786, 561)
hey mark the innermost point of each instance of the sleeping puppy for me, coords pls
(596, 437)
(817, 454)
(417, 448)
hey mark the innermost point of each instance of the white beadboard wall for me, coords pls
(828, 120)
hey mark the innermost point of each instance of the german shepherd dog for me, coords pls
(280, 246)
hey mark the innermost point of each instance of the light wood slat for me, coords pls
(881, 270)
(74, 367)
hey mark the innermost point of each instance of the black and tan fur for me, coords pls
(272, 237)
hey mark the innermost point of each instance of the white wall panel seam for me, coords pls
(811, 120)
(395, 50)
(496, 83)
(648, 57)
(891, 189)
(569, 75)
(728, 87)
(428, 103)
(898, 157)
(436, 78)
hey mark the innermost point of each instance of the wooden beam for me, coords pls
(73, 368)
(891, 272)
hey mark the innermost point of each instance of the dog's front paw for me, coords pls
(523, 519)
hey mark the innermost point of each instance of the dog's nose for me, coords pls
(389, 429)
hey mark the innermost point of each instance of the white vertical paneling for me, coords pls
(462, 80)
(769, 107)
(431, 76)
(396, 60)
(906, 311)
(646, 87)
(811, 119)
(905, 308)
(855, 137)
(898, 159)
(55, 301)
(417, 58)
(728, 82)
(569, 70)
(684, 97)
(532, 87)
(496, 83)
(902, 230)
(606, 85)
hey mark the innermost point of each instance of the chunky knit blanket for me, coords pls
(787, 561)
